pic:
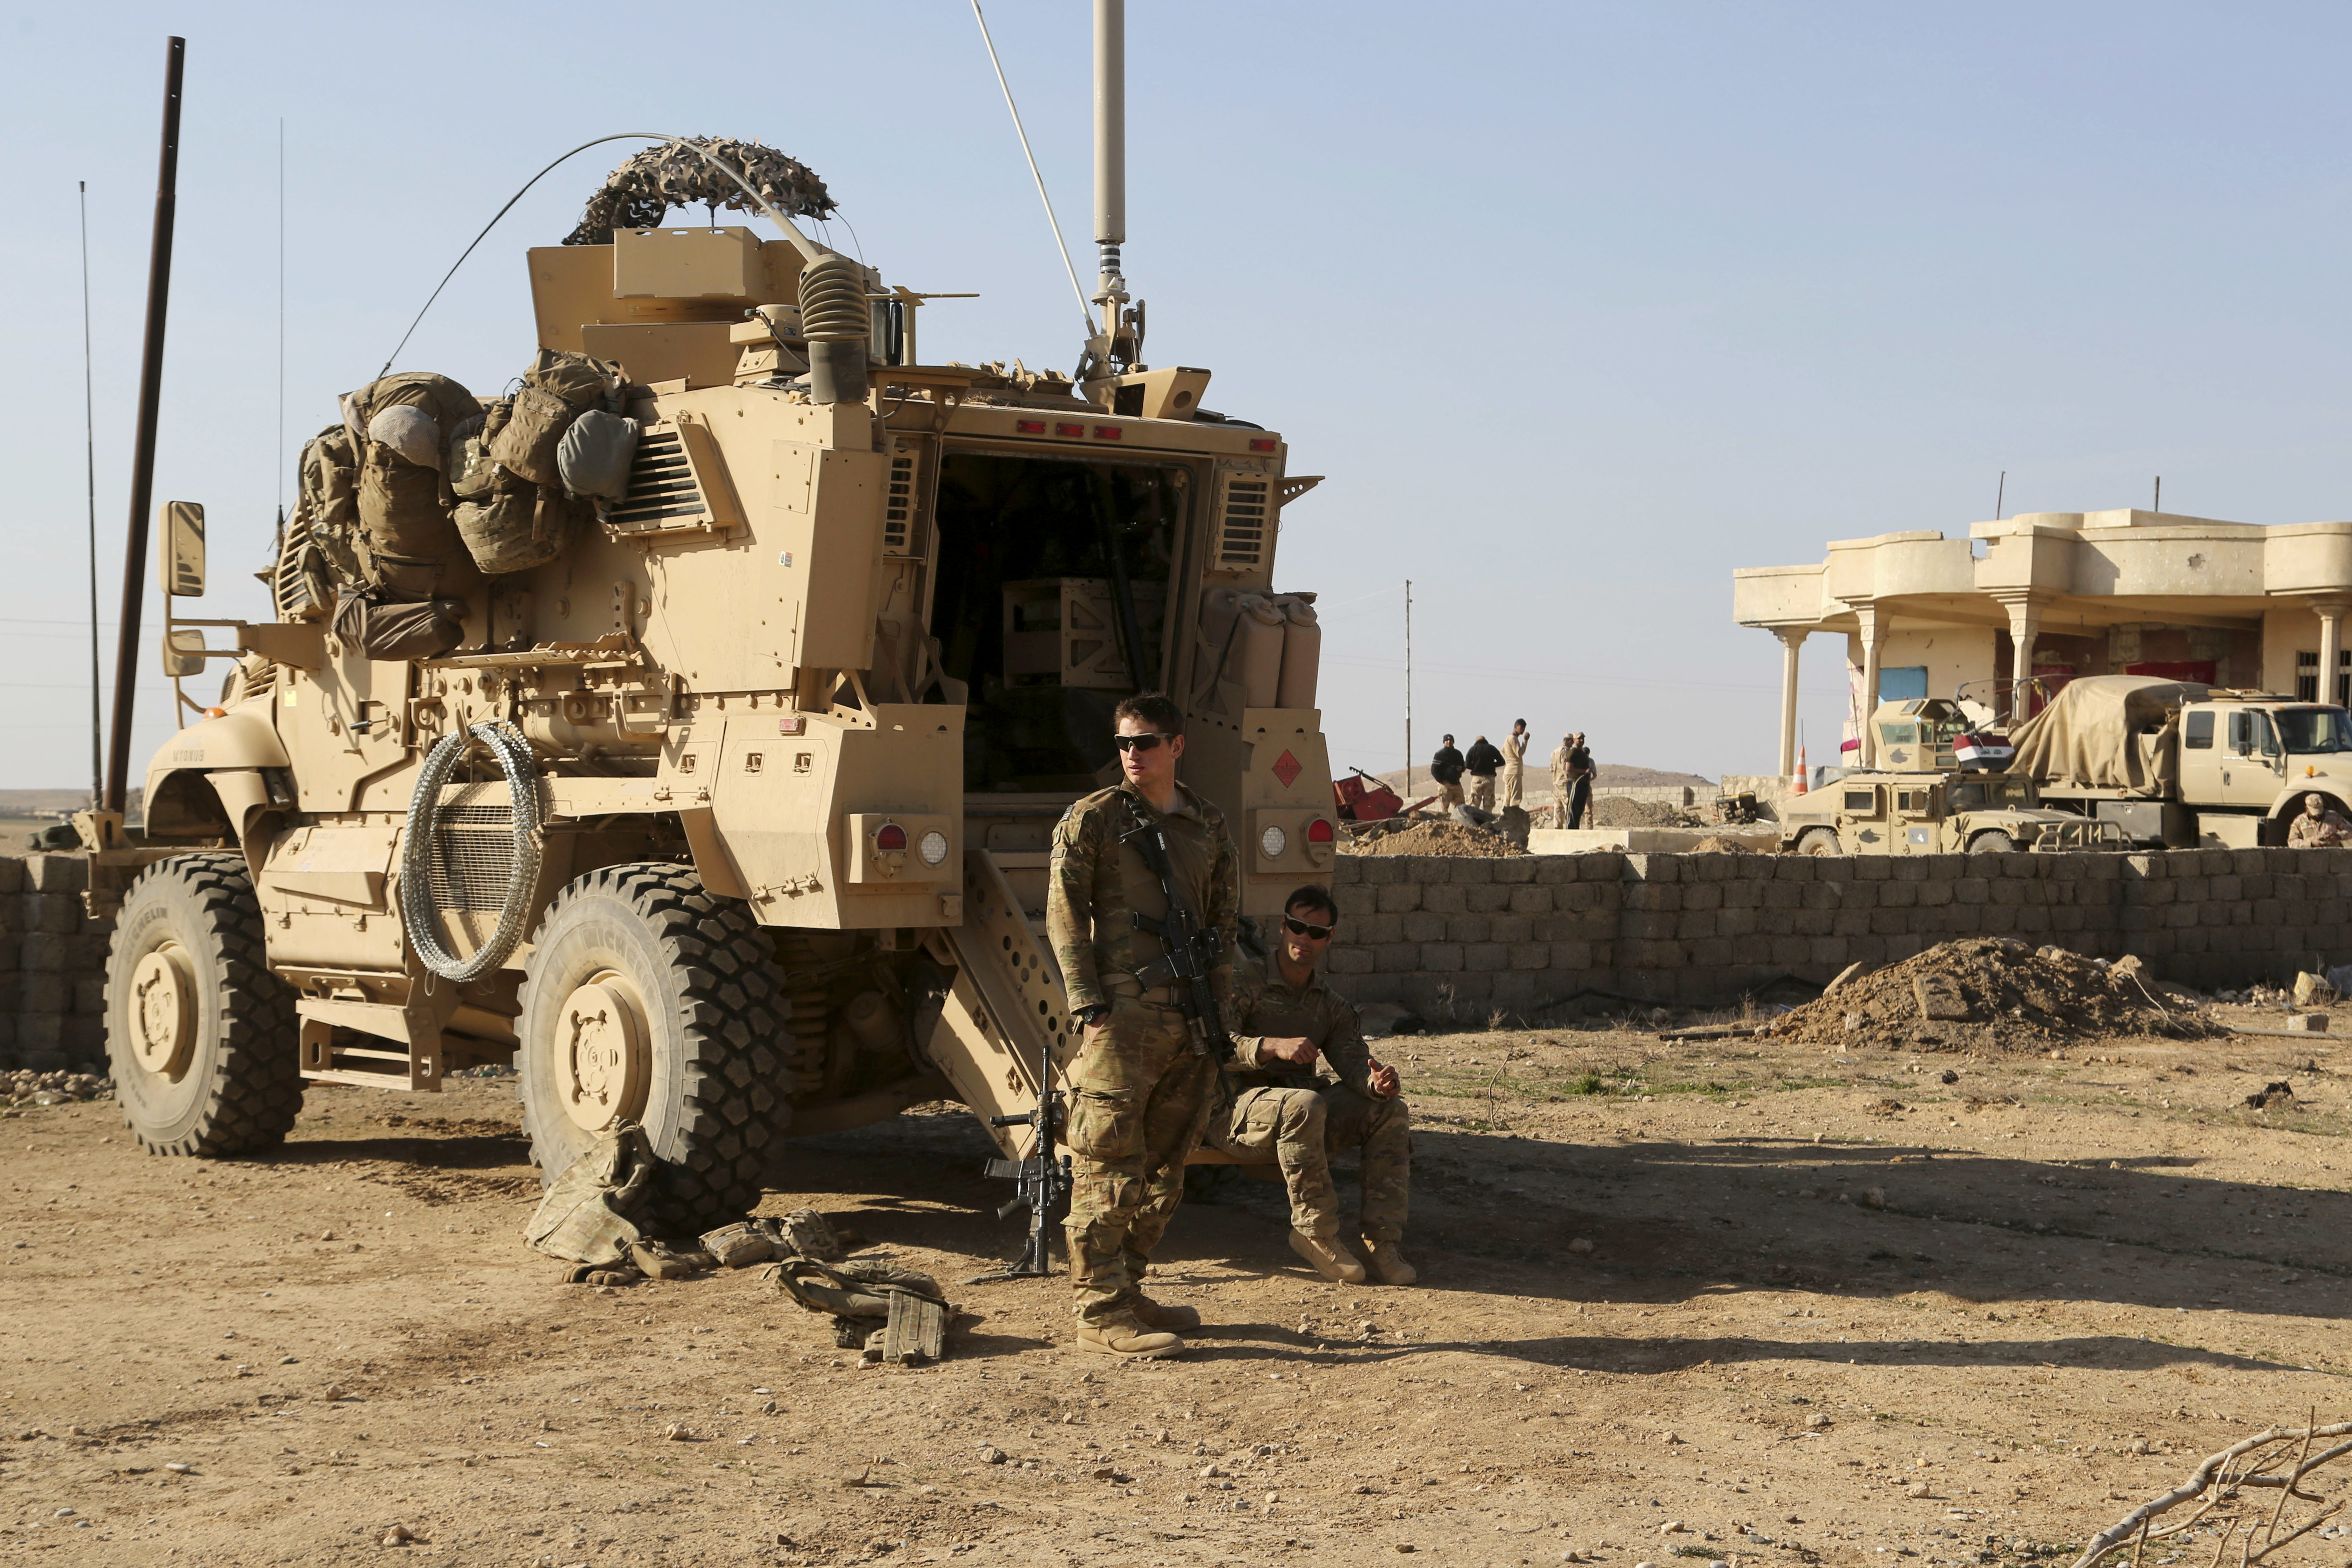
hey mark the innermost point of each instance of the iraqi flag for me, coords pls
(1983, 753)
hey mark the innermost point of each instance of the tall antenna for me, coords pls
(281, 327)
(1110, 151)
(1051, 222)
(89, 433)
(2157, 505)
(2000, 495)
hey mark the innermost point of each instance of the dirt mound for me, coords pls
(1436, 838)
(1625, 811)
(1992, 996)
(1717, 843)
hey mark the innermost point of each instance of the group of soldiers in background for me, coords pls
(1492, 778)
(1156, 1073)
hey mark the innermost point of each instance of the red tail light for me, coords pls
(1318, 831)
(1069, 429)
(1029, 427)
(1263, 444)
(1108, 432)
(889, 836)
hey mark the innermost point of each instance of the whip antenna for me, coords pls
(89, 434)
(1050, 221)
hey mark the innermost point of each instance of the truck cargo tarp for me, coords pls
(2106, 732)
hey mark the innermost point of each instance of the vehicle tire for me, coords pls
(1993, 842)
(647, 997)
(1819, 841)
(200, 1034)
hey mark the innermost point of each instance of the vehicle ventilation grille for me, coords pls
(1248, 519)
(477, 857)
(898, 506)
(661, 485)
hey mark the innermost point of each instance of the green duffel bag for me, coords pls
(527, 440)
(405, 520)
(579, 380)
(515, 530)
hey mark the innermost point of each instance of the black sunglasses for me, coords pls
(1138, 742)
(1297, 927)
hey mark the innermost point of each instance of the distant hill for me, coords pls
(15, 803)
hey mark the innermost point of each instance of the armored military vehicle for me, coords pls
(721, 804)
(1924, 803)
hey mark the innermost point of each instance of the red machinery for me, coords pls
(1363, 798)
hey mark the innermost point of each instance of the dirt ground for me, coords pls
(1812, 1307)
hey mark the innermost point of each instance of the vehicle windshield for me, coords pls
(1984, 795)
(2315, 728)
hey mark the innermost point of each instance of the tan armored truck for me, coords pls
(1923, 803)
(2181, 766)
(731, 816)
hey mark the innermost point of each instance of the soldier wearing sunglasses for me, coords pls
(1276, 1110)
(1141, 1080)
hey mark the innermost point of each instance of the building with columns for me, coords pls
(2060, 593)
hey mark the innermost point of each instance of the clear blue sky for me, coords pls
(1579, 306)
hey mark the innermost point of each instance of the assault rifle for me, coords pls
(1044, 1178)
(1191, 949)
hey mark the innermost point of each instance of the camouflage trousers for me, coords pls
(1301, 1129)
(1138, 1097)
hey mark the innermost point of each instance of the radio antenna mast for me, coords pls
(1051, 222)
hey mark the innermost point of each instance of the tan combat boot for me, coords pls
(1388, 1264)
(1330, 1259)
(1123, 1335)
(1152, 1314)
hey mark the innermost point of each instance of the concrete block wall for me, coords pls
(52, 966)
(1702, 929)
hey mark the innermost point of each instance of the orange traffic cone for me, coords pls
(1798, 786)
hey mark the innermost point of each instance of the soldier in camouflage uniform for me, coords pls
(1141, 1083)
(1275, 1109)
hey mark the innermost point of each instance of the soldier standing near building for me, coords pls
(1275, 1110)
(1141, 1082)
(1581, 775)
(1514, 769)
(1562, 785)
(1482, 761)
(1445, 773)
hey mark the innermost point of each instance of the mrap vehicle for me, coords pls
(731, 819)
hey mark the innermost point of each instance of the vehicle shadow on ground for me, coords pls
(425, 1151)
(1669, 1222)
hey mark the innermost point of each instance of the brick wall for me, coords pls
(1701, 928)
(52, 966)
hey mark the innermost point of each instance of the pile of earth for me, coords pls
(1626, 811)
(1427, 836)
(1992, 996)
(1717, 843)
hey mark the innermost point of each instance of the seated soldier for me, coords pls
(1275, 1110)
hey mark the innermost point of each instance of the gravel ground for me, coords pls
(1811, 1306)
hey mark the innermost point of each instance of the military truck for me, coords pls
(1923, 803)
(732, 819)
(2183, 765)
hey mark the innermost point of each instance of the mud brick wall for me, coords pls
(52, 966)
(1514, 934)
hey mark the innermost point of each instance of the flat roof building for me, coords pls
(2061, 594)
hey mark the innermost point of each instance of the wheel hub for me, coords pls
(602, 1061)
(164, 1010)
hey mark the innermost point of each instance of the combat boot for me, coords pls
(1387, 1262)
(1123, 1335)
(1153, 1315)
(1330, 1259)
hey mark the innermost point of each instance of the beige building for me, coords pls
(2058, 594)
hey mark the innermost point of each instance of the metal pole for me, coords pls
(143, 461)
(1111, 138)
(90, 447)
(1408, 691)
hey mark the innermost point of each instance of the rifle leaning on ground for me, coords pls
(1044, 1178)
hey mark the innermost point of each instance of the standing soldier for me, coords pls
(1140, 1083)
(1445, 773)
(1581, 776)
(1482, 761)
(1514, 769)
(1562, 783)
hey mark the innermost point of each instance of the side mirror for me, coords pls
(184, 652)
(182, 559)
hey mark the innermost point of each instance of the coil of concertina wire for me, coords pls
(422, 844)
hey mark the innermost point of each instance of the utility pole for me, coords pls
(89, 452)
(1408, 691)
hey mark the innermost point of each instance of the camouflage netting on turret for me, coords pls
(640, 192)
